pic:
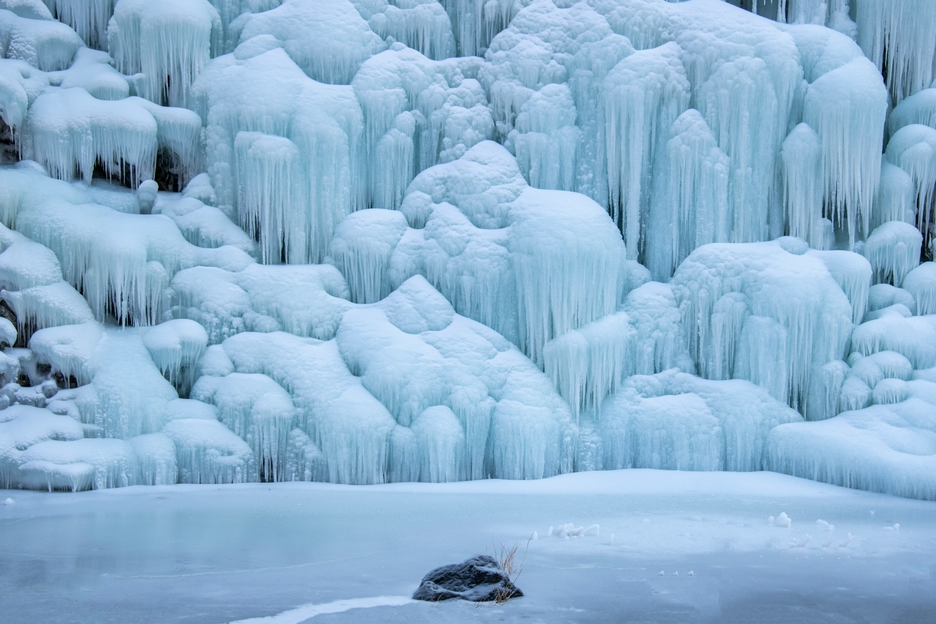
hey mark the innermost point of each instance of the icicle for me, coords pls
(802, 193)
(587, 364)
(897, 36)
(168, 42)
(847, 107)
(893, 250)
(547, 138)
(208, 452)
(896, 197)
(690, 205)
(89, 18)
(258, 410)
(641, 98)
(176, 346)
(267, 169)
(70, 132)
(362, 248)
(913, 149)
(921, 284)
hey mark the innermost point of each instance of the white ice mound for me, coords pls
(677, 421)
(371, 400)
(282, 149)
(168, 42)
(758, 312)
(305, 300)
(883, 448)
(122, 262)
(530, 263)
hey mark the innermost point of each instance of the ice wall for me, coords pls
(375, 240)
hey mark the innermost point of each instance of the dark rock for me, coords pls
(479, 579)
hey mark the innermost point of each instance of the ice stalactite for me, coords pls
(690, 206)
(913, 149)
(559, 292)
(801, 158)
(420, 24)
(209, 452)
(893, 250)
(323, 122)
(641, 98)
(176, 346)
(476, 22)
(739, 101)
(847, 107)
(417, 112)
(853, 274)
(798, 326)
(588, 363)
(70, 132)
(267, 177)
(896, 198)
(897, 36)
(88, 18)
(921, 284)
(169, 43)
(546, 138)
(362, 249)
(258, 410)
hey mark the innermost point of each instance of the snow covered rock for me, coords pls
(479, 579)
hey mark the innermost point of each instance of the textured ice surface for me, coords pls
(435, 240)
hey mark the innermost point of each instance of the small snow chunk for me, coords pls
(783, 520)
(825, 525)
(9, 502)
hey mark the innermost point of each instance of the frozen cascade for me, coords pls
(420, 24)
(897, 36)
(921, 284)
(784, 316)
(169, 43)
(690, 207)
(893, 250)
(88, 18)
(258, 410)
(532, 264)
(801, 159)
(442, 192)
(913, 149)
(848, 107)
(641, 98)
(324, 122)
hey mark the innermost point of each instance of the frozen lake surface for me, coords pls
(672, 547)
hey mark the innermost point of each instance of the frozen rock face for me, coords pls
(367, 240)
